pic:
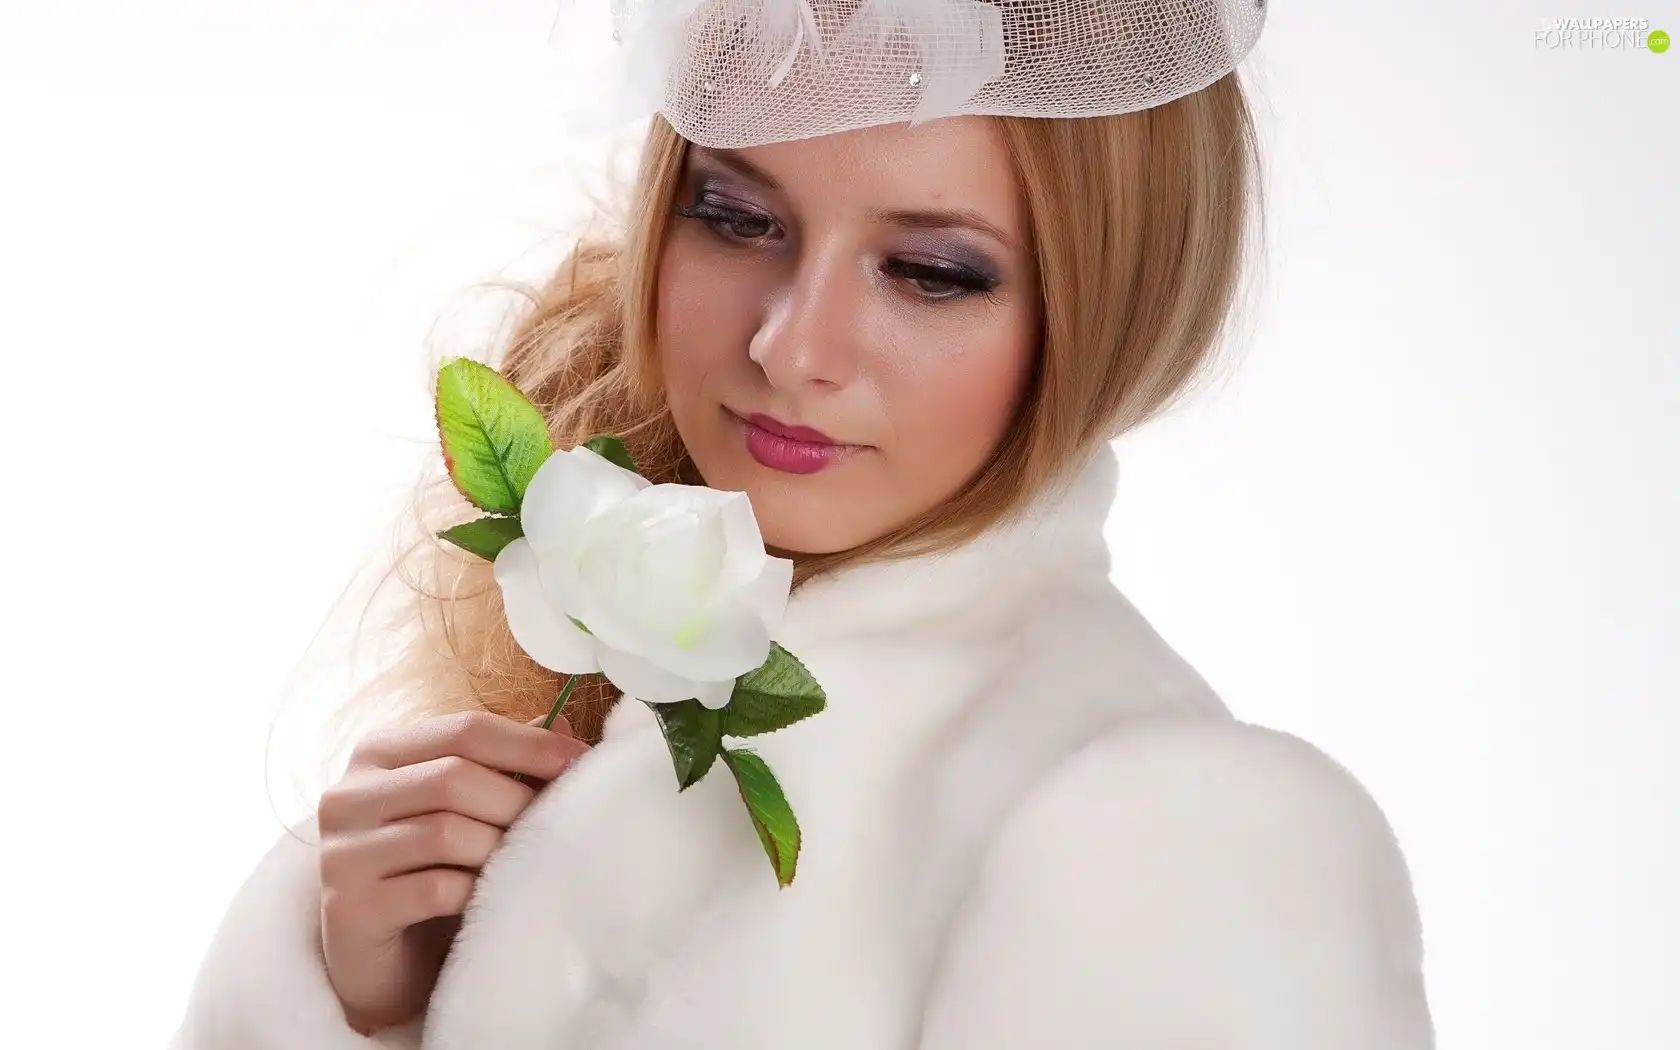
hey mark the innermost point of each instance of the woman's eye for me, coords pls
(940, 282)
(730, 222)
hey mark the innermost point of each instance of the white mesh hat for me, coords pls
(735, 73)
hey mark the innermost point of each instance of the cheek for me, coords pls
(949, 412)
(683, 313)
(704, 320)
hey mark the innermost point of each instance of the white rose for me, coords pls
(672, 582)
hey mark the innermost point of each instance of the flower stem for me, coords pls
(565, 694)
(553, 713)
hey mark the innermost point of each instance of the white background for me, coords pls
(1429, 524)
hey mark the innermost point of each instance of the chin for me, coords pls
(809, 514)
(795, 519)
(797, 538)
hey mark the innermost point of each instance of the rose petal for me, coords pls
(567, 490)
(732, 641)
(744, 544)
(715, 694)
(540, 629)
(682, 549)
(645, 680)
(560, 582)
(648, 566)
(767, 596)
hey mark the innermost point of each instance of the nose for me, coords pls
(808, 337)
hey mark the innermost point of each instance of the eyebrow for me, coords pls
(908, 219)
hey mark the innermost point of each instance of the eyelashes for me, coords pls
(942, 281)
(929, 280)
(737, 223)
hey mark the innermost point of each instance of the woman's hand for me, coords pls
(403, 836)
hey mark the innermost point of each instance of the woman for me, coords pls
(1027, 822)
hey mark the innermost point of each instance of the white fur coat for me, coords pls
(1027, 823)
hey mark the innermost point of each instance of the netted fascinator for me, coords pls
(735, 73)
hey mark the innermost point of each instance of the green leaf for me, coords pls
(485, 537)
(778, 694)
(493, 438)
(612, 450)
(772, 817)
(691, 732)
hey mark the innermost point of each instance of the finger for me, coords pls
(375, 914)
(450, 784)
(429, 894)
(428, 841)
(490, 740)
(562, 725)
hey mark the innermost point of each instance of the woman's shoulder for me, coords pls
(1227, 874)
(1188, 809)
(1200, 770)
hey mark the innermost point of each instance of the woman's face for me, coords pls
(846, 323)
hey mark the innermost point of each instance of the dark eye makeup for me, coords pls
(932, 280)
(730, 221)
(941, 280)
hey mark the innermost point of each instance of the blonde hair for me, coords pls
(1141, 224)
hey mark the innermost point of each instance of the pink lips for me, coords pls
(792, 433)
(790, 449)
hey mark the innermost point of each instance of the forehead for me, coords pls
(948, 164)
